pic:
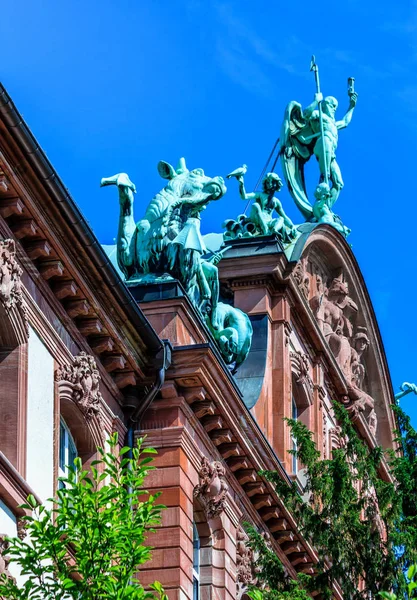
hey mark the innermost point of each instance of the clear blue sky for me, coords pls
(112, 86)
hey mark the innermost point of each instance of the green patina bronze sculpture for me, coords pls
(322, 211)
(234, 334)
(314, 131)
(166, 243)
(261, 220)
(406, 388)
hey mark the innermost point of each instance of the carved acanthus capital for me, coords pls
(80, 383)
(212, 488)
(10, 280)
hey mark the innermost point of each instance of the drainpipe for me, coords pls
(164, 360)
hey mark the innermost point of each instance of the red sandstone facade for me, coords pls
(61, 298)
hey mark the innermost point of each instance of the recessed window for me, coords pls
(67, 450)
(294, 416)
(196, 563)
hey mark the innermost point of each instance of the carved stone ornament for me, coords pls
(373, 513)
(80, 382)
(244, 563)
(22, 527)
(300, 366)
(10, 281)
(4, 559)
(338, 440)
(302, 277)
(212, 488)
(335, 311)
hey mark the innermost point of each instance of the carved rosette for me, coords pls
(79, 382)
(11, 295)
(212, 488)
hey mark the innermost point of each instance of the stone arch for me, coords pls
(324, 264)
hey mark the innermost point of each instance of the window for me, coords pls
(294, 416)
(67, 450)
(196, 563)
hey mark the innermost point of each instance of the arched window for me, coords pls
(294, 416)
(67, 450)
(301, 403)
(196, 563)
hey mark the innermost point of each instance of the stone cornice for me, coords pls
(59, 262)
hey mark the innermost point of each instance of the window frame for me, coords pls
(67, 451)
(196, 563)
(294, 446)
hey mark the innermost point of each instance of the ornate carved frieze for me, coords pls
(335, 312)
(212, 488)
(80, 383)
(10, 281)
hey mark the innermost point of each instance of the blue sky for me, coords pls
(112, 86)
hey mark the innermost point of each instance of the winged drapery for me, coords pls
(295, 150)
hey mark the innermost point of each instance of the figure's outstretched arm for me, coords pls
(307, 112)
(348, 116)
(243, 194)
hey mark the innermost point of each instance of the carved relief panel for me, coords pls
(340, 321)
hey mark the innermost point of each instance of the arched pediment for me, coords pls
(329, 278)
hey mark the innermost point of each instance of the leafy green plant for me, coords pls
(362, 527)
(90, 544)
(411, 585)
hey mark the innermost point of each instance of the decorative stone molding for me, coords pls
(4, 559)
(244, 563)
(338, 440)
(302, 277)
(79, 382)
(11, 296)
(22, 527)
(212, 488)
(325, 435)
(300, 366)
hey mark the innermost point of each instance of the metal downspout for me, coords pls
(140, 410)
